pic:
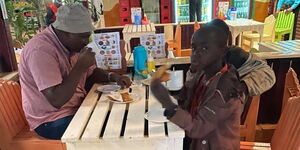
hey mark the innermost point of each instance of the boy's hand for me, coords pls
(162, 94)
(162, 74)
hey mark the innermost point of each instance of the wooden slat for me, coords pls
(14, 90)
(78, 123)
(152, 27)
(155, 129)
(11, 109)
(139, 29)
(125, 29)
(175, 131)
(148, 27)
(135, 118)
(130, 28)
(134, 29)
(95, 124)
(5, 114)
(144, 28)
(114, 123)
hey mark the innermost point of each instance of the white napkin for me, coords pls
(115, 95)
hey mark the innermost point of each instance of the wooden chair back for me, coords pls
(269, 27)
(169, 32)
(287, 133)
(285, 20)
(291, 86)
(11, 112)
(177, 40)
(15, 134)
(249, 118)
(176, 43)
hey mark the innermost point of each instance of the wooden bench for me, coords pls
(15, 133)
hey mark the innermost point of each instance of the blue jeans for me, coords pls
(55, 129)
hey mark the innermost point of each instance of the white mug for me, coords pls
(176, 80)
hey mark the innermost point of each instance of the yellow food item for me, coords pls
(161, 73)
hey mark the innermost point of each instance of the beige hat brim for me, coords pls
(76, 27)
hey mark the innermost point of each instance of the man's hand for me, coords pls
(288, 11)
(123, 81)
(162, 94)
(86, 58)
(276, 13)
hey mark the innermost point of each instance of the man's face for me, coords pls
(206, 50)
(76, 41)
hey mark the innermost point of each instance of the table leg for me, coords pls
(260, 36)
(127, 45)
(233, 39)
(240, 39)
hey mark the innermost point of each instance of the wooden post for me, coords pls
(8, 61)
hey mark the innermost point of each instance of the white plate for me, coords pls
(173, 88)
(156, 116)
(134, 96)
(109, 88)
(146, 81)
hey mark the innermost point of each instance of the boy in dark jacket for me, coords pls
(211, 101)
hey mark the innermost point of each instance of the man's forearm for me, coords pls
(60, 94)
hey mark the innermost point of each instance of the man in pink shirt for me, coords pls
(54, 67)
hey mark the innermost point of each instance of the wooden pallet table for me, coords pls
(100, 124)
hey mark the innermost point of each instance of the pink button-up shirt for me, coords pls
(44, 63)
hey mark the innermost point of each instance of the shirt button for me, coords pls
(203, 142)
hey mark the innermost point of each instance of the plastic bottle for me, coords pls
(150, 64)
(233, 13)
(137, 19)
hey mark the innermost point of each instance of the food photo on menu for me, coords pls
(155, 45)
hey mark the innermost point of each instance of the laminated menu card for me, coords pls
(107, 48)
(155, 45)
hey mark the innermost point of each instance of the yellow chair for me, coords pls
(268, 34)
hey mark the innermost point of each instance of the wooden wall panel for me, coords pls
(297, 33)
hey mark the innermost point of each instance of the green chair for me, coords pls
(284, 25)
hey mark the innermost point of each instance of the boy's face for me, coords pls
(207, 48)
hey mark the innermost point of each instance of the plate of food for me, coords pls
(156, 116)
(123, 98)
(109, 88)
